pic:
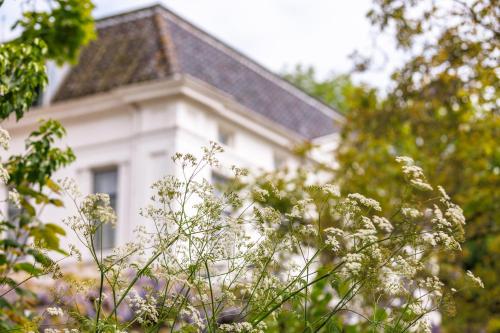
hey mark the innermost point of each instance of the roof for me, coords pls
(153, 43)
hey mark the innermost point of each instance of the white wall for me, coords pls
(139, 139)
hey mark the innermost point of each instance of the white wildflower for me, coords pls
(421, 185)
(383, 224)
(448, 241)
(14, 198)
(75, 252)
(352, 265)
(455, 214)
(332, 190)
(194, 317)
(333, 243)
(70, 186)
(144, 309)
(411, 213)
(4, 139)
(4, 175)
(391, 282)
(424, 325)
(243, 327)
(260, 194)
(413, 173)
(334, 231)
(433, 285)
(443, 193)
(364, 201)
(96, 207)
(55, 311)
(439, 220)
(308, 230)
(476, 280)
(404, 160)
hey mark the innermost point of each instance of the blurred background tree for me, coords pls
(442, 109)
(334, 90)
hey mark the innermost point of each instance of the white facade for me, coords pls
(137, 128)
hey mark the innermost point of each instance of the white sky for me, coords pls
(275, 33)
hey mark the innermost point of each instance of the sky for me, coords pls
(276, 33)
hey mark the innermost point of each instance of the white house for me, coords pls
(153, 84)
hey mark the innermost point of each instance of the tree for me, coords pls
(443, 110)
(57, 35)
(334, 90)
(27, 243)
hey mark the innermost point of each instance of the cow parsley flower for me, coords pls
(364, 201)
(308, 230)
(14, 198)
(145, 309)
(331, 189)
(383, 224)
(4, 175)
(411, 213)
(352, 265)
(423, 325)
(70, 186)
(455, 214)
(443, 193)
(4, 139)
(414, 174)
(476, 280)
(96, 207)
(55, 311)
(243, 327)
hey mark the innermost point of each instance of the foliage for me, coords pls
(54, 35)
(197, 266)
(442, 109)
(64, 29)
(335, 90)
(28, 241)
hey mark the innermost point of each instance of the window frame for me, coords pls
(114, 197)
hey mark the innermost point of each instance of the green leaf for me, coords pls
(52, 185)
(27, 267)
(40, 257)
(55, 228)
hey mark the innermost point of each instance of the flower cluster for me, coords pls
(242, 327)
(414, 174)
(55, 311)
(4, 143)
(209, 255)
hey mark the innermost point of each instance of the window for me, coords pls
(279, 161)
(225, 136)
(106, 181)
(220, 183)
(38, 101)
(14, 216)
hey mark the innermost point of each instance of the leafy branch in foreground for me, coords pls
(57, 34)
(28, 243)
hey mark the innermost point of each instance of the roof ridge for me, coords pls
(167, 45)
(219, 44)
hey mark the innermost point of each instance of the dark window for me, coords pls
(38, 100)
(225, 136)
(106, 181)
